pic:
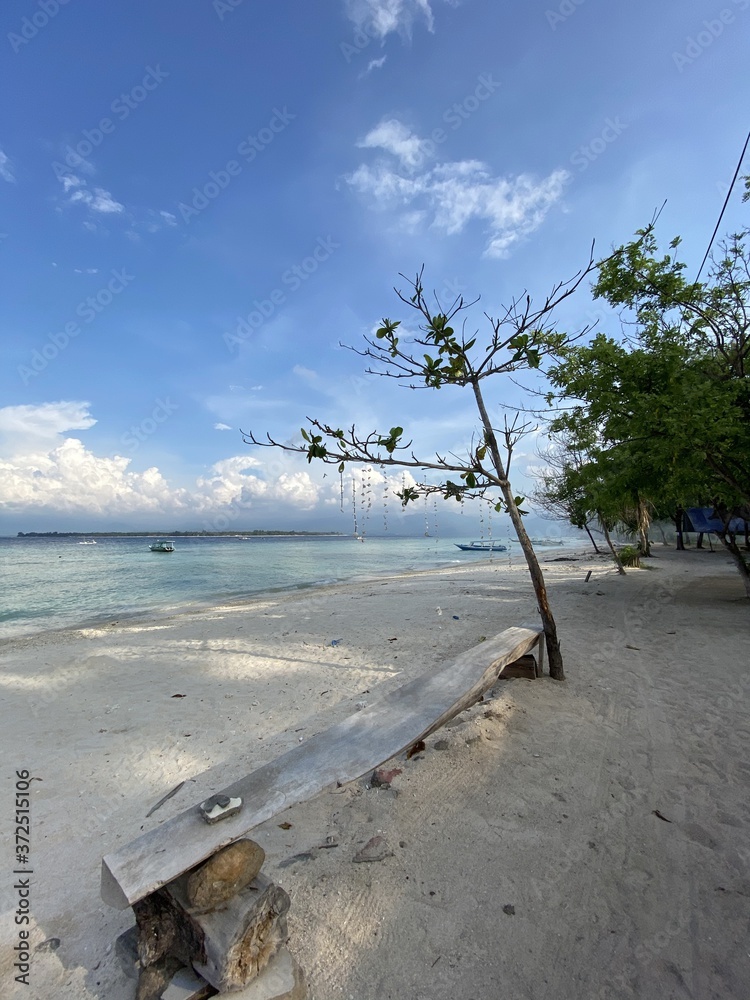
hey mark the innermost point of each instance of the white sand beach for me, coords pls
(579, 840)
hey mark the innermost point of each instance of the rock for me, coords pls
(282, 979)
(376, 849)
(188, 985)
(51, 944)
(126, 949)
(155, 979)
(442, 745)
(382, 777)
(509, 909)
(225, 874)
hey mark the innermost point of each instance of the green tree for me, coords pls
(671, 402)
(519, 340)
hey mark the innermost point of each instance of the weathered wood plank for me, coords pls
(342, 753)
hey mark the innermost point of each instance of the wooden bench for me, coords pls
(340, 754)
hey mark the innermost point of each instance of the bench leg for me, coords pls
(541, 645)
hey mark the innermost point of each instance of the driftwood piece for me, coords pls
(340, 754)
(224, 874)
(228, 946)
(185, 984)
(282, 979)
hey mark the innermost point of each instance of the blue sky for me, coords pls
(199, 199)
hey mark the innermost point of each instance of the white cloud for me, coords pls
(222, 427)
(43, 469)
(394, 137)
(70, 181)
(44, 422)
(453, 194)
(382, 17)
(97, 200)
(374, 64)
(6, 169)
(306, 374)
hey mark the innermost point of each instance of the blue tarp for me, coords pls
(702, 520)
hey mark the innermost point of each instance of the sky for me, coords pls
(202, 200)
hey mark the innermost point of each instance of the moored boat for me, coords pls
(163, 545)
(482, 545)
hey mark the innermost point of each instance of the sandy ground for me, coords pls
(578, 840)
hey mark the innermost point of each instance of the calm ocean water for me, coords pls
(52, 583)
(48, 583)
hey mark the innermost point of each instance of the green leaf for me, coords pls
(305, 435)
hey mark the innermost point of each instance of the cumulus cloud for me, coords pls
(42, 468)
(450, 195)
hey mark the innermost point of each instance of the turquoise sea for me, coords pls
(54, 583)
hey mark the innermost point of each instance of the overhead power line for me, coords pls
(724, 206)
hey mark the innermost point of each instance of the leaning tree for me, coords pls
(440, 355)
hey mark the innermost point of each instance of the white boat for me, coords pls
(162, 546)
(87, 541)
(482, 546)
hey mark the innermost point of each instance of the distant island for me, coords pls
(162, 534)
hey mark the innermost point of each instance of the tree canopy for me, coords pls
(663, 413)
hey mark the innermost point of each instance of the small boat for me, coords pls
(87, 541)
(482, 546)
(162, 546)
(546, 541)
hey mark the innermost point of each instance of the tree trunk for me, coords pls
(730, 544)
(644, 545)
(699, 543)
(612, 549)
(552, 643)
(535, 572)
(593, 542)
(678, 523)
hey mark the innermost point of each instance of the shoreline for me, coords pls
(166, 612)
(503, 812)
